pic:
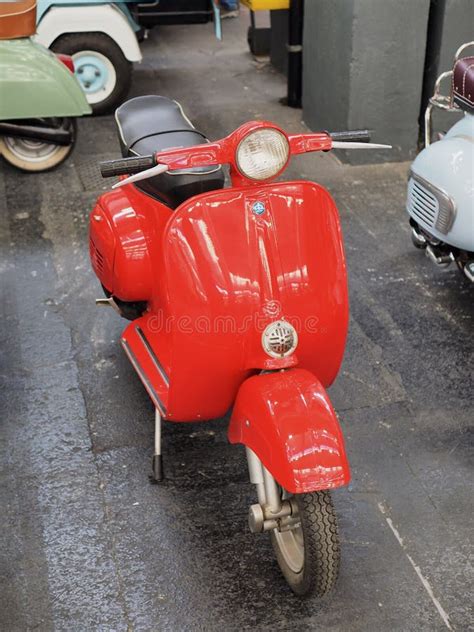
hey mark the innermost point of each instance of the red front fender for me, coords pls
(286, 418)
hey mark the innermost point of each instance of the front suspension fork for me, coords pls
(271, 511)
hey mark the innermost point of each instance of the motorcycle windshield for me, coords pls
(237, 260)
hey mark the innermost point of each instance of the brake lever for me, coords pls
(339, 144)
(143, 175)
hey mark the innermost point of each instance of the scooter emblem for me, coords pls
(258, 208)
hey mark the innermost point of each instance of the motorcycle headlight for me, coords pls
(262, 153)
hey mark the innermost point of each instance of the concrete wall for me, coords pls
(458, 28)
(327, 51)
(279, 39)
(363, 67)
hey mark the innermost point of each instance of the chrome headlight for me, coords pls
(262, 153)
(279, 339)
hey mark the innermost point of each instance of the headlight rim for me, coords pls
(256, 131)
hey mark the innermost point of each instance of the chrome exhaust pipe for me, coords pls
(54, 135)
(418, 239)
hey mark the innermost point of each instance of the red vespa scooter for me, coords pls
(238, 298)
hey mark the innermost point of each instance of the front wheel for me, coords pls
(308, 551)
(100, 66)
(36, 155)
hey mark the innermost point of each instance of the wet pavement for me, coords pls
(88, 544)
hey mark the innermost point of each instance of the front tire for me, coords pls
(35, 156)
(309, 554)
(100, 66)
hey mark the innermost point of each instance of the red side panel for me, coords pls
(125, 242)
(286, 418)
(102, 242)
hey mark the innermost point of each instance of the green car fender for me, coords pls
(35, 84)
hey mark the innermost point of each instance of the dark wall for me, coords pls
(327, 52)
(279, 39)
(458, 28)
(363, 68)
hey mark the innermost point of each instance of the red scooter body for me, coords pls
(214, 274)
(238, 300)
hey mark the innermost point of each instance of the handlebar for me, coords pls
(224, 150)
(357, 136)
(126, 166)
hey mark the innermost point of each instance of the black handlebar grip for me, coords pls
(126, 166)
(357, 136)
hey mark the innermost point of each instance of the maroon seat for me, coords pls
(463, 84)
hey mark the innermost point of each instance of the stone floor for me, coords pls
(88, 544)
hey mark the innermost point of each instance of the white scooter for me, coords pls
(441, 184)
(103, 38)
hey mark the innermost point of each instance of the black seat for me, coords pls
(151, 123)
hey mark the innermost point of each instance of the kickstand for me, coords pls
(157, 461)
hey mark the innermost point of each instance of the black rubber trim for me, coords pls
(146, 382)
(357, 136)
(160, 368)
(126, 166)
